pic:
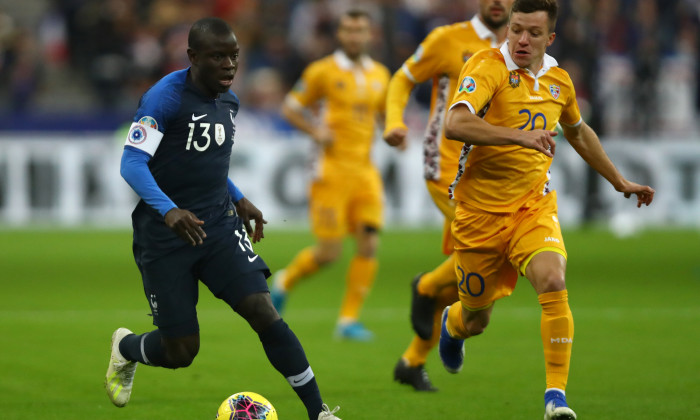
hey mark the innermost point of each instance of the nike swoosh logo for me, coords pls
(251, 259)
(198, 117)
(294, 381)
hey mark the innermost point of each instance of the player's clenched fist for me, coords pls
(186, 225)
(396, 137)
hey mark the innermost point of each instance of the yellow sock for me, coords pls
(417, 352)
(442, 276)
(359, 281)
(455, 323)
(557, 327)
(301, 266)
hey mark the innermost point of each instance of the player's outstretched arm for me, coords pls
(587, 144)
(186, 225)
(462, 125)
(247, 212)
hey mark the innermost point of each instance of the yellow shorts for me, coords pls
(492, 249)
(339, 203)
(447, 207)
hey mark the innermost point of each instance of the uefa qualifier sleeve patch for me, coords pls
(468, 85)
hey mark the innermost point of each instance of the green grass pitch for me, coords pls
(636, 305)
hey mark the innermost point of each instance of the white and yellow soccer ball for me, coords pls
(246, 406)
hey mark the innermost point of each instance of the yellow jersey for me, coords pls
(439, 57)
(352, 96)
(503, 178)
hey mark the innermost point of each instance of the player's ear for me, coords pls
(192, 55)
(550, 41)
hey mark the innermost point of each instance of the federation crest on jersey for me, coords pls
(468, 85)
(137, 134)
(219, 134)
(149, 121)
(555, 90)
(514, 79)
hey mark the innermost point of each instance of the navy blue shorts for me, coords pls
(226, 264)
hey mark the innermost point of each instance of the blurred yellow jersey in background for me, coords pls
(352, 98)
(502, 178)
(440, 57)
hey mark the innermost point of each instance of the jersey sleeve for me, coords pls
(309, 88)
(156, 108)
(398, 93)
(427, 61)
(571, 115)
(233, 191)
(134, 170)
(479, 79)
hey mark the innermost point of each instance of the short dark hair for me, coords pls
(202, 27)
(356, 14)
(532, 6)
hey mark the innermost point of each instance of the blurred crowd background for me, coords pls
(83, 64)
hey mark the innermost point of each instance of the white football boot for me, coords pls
(328, 414)
(555, 406)
(120, 373)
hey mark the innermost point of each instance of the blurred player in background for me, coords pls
(440, 58)
(508, 103)
(192, 223)
(346, 194)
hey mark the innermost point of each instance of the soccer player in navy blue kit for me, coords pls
(192, 223)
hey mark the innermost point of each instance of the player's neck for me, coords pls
(355, 59)
(500, 33)
(201, 87)
(536, 67)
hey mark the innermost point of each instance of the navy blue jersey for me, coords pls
(188, 137)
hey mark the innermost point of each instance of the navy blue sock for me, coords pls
(145, 348)
(286, 354)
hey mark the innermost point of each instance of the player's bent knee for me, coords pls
(476, 322)
(180, 353)
(367, 241)
(327, 252)
(367, 251)
(178, 361)
(476, 327)
(326, 257)
(258, 311)
(552, 282)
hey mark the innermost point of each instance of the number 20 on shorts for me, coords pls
(465, 283)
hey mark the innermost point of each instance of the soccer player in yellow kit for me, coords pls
(346, 195)
(439, 58)
(506, 218)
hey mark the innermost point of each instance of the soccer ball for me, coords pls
(246, 406)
